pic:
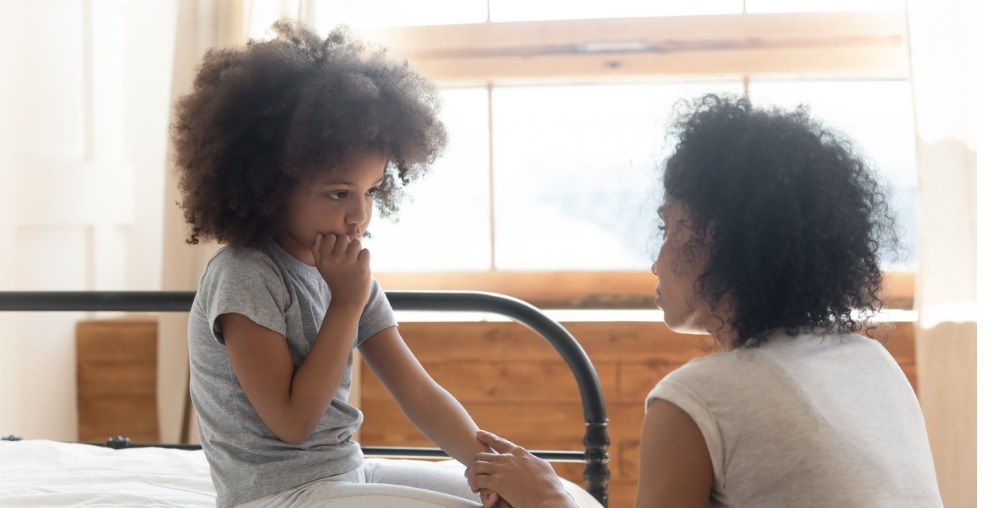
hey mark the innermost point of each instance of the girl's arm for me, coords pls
(433, 410)
(675, 464)
(289, 400)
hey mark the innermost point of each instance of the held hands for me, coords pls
(522, 479)
(345, 266)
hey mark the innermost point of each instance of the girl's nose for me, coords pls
(358, 213)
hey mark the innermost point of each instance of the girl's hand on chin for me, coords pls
(345, 266)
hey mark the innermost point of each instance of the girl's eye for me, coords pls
(372, 191)
(338, 195)
(663, 229)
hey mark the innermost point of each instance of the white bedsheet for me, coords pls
(50, 473)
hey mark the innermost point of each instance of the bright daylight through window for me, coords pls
(555, 173)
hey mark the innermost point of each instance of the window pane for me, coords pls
(330, 13)
(822, 5)
(532, 10)
(578, 172)
(445, 226)
(877, 116)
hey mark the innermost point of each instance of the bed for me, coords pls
(35, 472)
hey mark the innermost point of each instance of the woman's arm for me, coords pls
(675, 464)
(433, 410)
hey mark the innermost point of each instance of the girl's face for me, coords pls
(677, 269)
(338, 201)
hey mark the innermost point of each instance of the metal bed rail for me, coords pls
(596, 439)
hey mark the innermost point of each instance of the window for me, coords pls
(821, 5)
(557, 114)
(530, 10)
(444, 222)
(360, 13)
(577, 172)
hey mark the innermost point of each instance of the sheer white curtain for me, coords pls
(201, 24)
(942, 45)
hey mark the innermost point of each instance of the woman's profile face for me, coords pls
(677, 268)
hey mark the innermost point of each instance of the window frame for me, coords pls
(861, 44)
(870, 44)
(588, 289)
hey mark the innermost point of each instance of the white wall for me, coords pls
(84, 109)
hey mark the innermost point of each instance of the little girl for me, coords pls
(283, 146)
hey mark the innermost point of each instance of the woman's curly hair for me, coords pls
(265, 117)
(791, 218)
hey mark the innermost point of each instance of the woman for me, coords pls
(772, 228)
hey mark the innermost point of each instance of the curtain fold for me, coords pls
(942, 47)
(201, 24)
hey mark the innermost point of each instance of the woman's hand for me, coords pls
(519, 477)
(492, 500)
(345, 266)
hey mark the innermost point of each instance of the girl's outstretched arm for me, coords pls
(432, 409)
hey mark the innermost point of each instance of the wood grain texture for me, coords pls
(867, 43)
(116, 379)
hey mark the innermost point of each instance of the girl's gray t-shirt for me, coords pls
(280, 293)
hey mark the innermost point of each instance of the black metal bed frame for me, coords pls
(596, 439)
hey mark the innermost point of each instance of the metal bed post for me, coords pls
(596, 439)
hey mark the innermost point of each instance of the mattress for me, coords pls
(40, 472)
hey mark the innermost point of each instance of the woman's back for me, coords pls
(807, 421)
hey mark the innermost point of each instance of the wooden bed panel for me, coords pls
(547, 425)
(116, 379)
(512, 382)
(490, 381)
